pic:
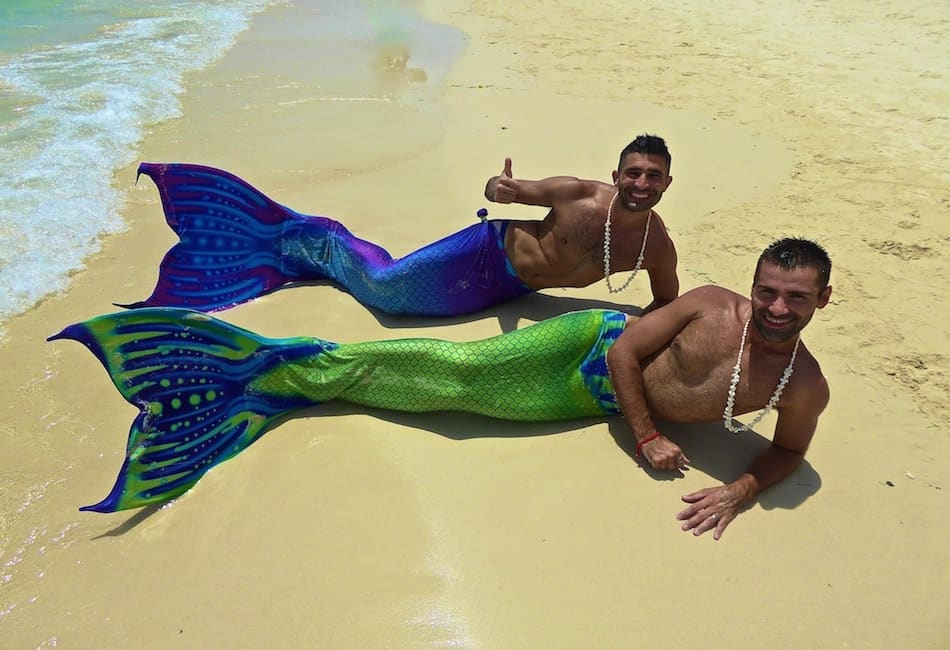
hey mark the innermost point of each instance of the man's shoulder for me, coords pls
(808, 383)
(580, 187)
(659, 231)
(714, 295)
(710, 305)
(569, 196)
(707, 303)
(810, 366)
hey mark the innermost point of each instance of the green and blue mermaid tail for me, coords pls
(189, 376)
(206, 389)
(235, 244)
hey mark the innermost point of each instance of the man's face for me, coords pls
(783, 302)
(641, 180)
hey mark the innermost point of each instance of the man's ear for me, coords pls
(824, 297)
(669, 181)
(616, 176)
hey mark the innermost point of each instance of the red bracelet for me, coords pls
(640, 444)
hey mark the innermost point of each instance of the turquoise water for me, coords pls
(80, 84)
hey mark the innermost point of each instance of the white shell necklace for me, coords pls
(643, 247)
(731, 399)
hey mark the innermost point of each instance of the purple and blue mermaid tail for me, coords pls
(236, 244)
(206, 389)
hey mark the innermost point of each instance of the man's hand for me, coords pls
(712, 508)
(662, 453)
(503, 188)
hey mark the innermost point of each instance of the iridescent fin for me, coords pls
(188, 373)
(229, 239)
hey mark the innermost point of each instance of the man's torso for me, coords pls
(566, 248)
(688, 380)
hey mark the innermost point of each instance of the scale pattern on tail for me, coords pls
(206, 389)
(235, 244)
(552, 370)
(188, 374)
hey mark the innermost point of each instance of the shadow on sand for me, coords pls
(710, 448)
(531, 307)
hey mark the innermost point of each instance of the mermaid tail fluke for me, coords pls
(190, 376)
(229, 239)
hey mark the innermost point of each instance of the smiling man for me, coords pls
(593, 228)
(713, 353)
(207, 389)
(236, 243)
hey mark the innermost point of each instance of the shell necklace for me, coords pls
(643, 247)
(731, 399)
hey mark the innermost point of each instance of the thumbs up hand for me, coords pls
(502, 188)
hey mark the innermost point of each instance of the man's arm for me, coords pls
(664, 282)
(546, 192)
(715, 508)
(640, 339)
(793, 433)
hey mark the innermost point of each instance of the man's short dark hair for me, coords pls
(647, 144)
(794, 253)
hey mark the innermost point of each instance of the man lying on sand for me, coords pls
(682, 362)
(207, 390)
(235, 243)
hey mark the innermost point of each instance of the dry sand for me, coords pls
(357, 530)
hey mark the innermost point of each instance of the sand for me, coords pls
(366, 530)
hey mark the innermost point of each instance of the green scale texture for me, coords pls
(206, 390)
(552, 370)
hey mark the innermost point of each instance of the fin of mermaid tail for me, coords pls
(188, 373)
(229, 233)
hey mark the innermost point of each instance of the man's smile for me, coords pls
(772, 321)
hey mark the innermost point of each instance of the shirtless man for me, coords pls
(567, 248)
(678, 363)
(236, 243)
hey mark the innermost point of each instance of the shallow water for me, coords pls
(81, 84)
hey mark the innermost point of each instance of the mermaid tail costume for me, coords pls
(235, 244)
(206, 389)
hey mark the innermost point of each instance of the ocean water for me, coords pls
(80, 84)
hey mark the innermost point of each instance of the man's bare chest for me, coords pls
(694, 373)
(578, 236)
(584, 238)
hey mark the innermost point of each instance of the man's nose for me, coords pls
(778, 307)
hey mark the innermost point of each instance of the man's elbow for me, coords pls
(619, 358)
(663, 294)
(792, 458)
(614, 358)
(656, 304)
(662, 297)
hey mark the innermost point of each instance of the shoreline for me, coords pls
(505, 537)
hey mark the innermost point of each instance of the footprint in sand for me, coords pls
(927, 376)
(899, 249)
